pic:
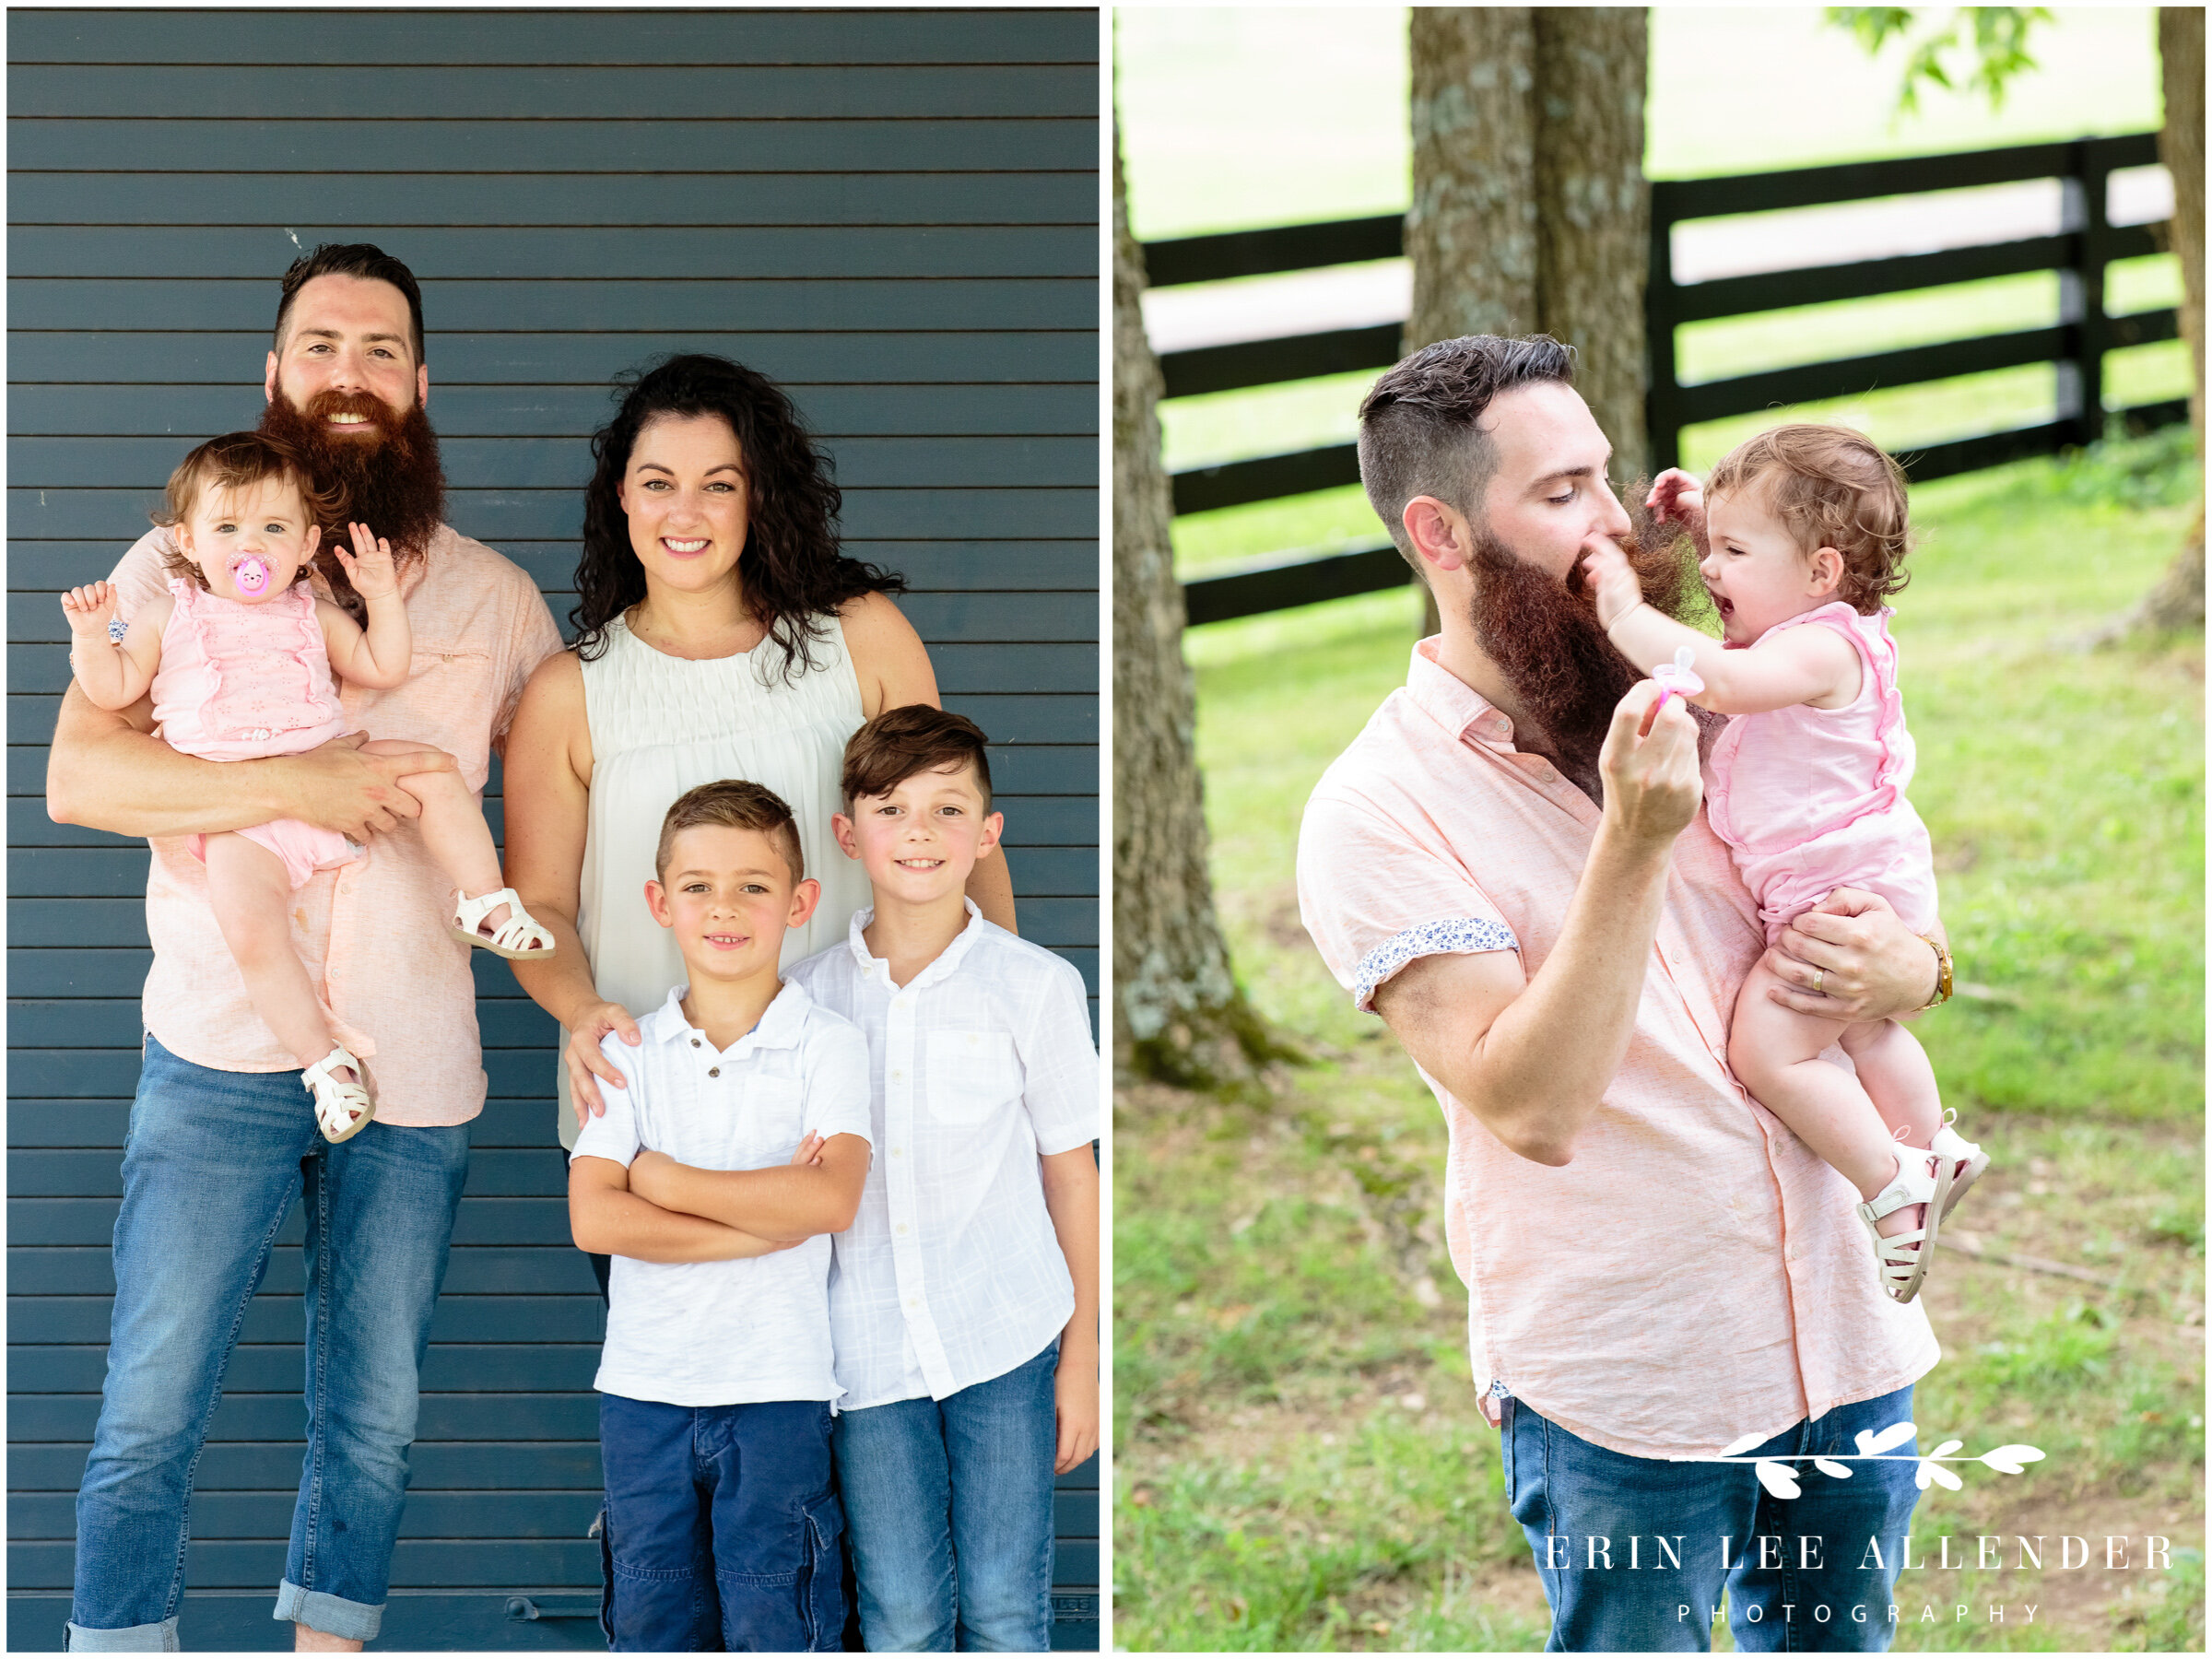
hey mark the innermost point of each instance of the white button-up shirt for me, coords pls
(726, 1332)
(951, 1273)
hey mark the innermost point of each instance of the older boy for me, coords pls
(965, 1306)
(743, 1136)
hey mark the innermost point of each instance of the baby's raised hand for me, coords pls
(1612, 579)
(369, 567)
(90, 609)
(1678, 499)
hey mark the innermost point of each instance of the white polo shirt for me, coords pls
(726, 1332)
(951, 1273)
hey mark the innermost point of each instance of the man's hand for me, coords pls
(90, 609)
(1866, 963)
(1650, 776)
(1612, 579)
(1678, 499)
(340, 787)
(585, 1061)
(1075, 1406)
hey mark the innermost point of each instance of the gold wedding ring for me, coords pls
(1820, 976)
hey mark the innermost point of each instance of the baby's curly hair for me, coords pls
(1832, 488)
(237, 460)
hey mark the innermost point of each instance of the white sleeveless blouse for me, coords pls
(662, 724)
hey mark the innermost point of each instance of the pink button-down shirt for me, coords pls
(1696, 1274)
(374, 934)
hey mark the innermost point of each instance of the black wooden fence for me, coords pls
(2084, 246)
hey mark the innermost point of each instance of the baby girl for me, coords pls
(1801, 533)
(239, 661)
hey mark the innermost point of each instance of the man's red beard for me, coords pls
(389, 478)
(1544, 639)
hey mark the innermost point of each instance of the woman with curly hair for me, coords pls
(720, 634)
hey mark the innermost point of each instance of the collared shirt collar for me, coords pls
(1452, 702)
(876, 970)
(782, 1025)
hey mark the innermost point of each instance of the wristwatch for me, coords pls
(1943, 971)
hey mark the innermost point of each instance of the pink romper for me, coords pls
(1810, 799)
(239, 682)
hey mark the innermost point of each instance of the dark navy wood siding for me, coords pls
(893, 213)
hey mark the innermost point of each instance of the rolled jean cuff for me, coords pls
(332, 1614)
(132, 1639)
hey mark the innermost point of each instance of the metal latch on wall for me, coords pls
(552, 1607)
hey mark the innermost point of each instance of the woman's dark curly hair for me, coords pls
(793, 574)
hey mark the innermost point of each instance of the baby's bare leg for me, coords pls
(252, 897)
(1894, 1070)
(1772, 1050)
(452, 825)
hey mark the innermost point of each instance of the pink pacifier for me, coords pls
(1677, 678)
(252, 574)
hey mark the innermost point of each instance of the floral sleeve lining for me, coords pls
(1459, 936)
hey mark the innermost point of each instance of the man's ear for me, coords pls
(422, 385)
(268, 379)
(1826, 570)
(1439, 532)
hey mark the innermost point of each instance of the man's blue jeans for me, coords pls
(722, 1528)
(210, 1168)
(949, 1503)
(1799, 1573)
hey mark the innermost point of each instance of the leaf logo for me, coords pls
(1776, 1476)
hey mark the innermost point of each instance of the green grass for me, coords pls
(1300, 1459)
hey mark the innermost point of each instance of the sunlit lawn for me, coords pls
(1300, 1462)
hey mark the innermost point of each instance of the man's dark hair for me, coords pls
(351, 259)
(1417, 431)
(916, 738)
(733, 804)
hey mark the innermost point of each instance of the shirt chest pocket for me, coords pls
(449, 700)
(971, 1074)
(770, 1122)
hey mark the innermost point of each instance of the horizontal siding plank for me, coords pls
(43, 1120)
(502, 1221)
(281, 1416)
(932, 462)
(498, 516)
(477, 1270)
(505, 1172)
(424, 1562)
(795, 360)
(396, 201)
(553, 145)
(272, 1465)
(1010, 567)
(503, 1367)
(999, 304)
(672, 254)
(406, 92)
(35, 1320)
(189, 413)
(642, 37)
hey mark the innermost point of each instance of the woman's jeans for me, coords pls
(1801, 1574)
(948, 1505)
(210, 1168)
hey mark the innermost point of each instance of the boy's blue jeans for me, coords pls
(722, 1528)
(210, 1167)
(1801, 1578)
(950, 1503)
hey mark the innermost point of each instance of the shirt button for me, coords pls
(897, 1151)
(694, 1042)
(901, 1227)
(898, 1077)
(914, 1301)
(713, 1071)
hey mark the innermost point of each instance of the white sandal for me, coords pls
(342, 1109)
(1901, 1259)
(519, 937)
(1967, 1159)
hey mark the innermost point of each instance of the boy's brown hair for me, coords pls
(237, 460)
(1832, 488)
(733, 804)
(917, 738)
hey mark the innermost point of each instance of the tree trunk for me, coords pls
(1178, 1014)
(1593, 210)
(1530, 210)
(2178, 599)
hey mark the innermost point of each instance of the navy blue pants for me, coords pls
(722, 1528)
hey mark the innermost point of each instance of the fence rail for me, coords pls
(2085, 243)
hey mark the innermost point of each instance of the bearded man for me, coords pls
(1512, 867)
(222, 1137)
